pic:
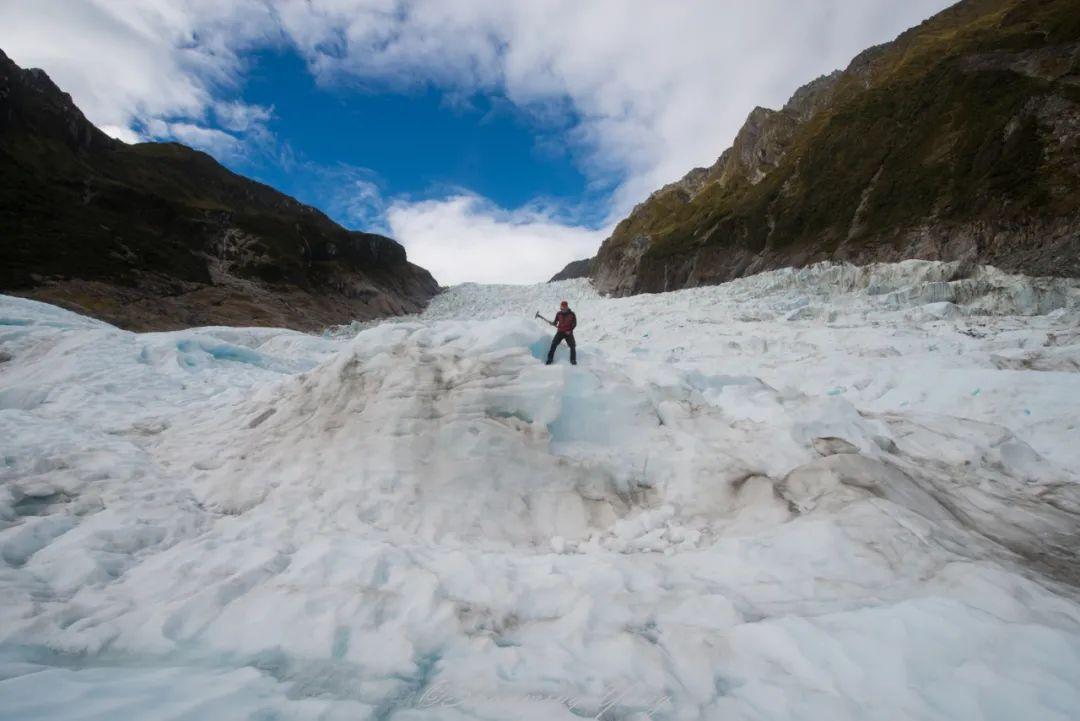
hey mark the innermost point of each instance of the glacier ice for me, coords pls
(831, 492)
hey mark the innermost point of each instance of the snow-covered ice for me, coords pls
(835, 493)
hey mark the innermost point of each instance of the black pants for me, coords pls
(559, 338)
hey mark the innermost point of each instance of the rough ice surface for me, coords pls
(829, 493)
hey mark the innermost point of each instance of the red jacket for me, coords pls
(565, 321)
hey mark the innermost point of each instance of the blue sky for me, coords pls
(495, 140)
(413, 142)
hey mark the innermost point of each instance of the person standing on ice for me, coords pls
(565, 322)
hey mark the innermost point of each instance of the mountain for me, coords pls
(156, 235)
(574, 269)
(959, 140)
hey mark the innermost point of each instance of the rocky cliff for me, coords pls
(157, 235)
(574, 269)
(958, 140)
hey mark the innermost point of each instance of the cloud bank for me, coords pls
(470, 240)
(654, 88)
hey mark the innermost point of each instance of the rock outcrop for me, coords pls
(156, 236)
(959, 140)
(574, 269)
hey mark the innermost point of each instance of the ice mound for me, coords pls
(452, 432)
(439, 432)
(456, 432)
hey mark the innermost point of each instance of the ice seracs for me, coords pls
(866, 511)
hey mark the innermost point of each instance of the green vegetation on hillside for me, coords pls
(949, 124)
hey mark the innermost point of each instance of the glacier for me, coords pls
(835, 492)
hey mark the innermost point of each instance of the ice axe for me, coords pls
(543, 318)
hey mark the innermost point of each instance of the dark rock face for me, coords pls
(958, 140)
(574, 269)
(157, 236)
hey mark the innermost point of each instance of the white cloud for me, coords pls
(241, 117)
(141, 69)
(465, 239)
(659, 87)
(121, 132)
(654, 88)
(351, 194)
(116, 71)
(218, 143)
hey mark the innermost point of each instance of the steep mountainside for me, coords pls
(958, 140)
(157, 235)
(574, 269)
